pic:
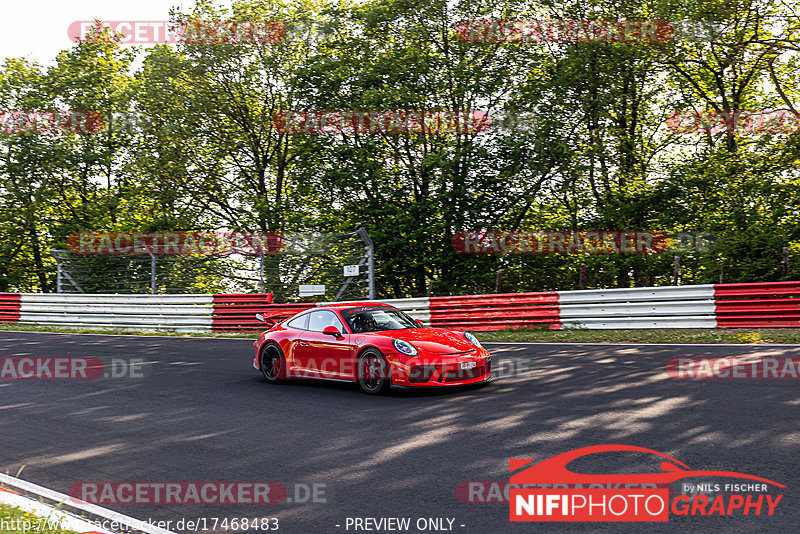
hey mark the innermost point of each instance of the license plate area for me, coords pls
(468, 365)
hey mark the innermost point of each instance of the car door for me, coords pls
(297, 327)
(323, 353)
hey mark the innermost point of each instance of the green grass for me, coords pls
(540, 335)
(666, 335)
(18, 327)
(14, 520)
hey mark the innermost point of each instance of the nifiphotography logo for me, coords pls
(565, 495)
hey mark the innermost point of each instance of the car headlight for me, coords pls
(405, 347)
(472, 339)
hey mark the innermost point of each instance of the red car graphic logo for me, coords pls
(554, 470)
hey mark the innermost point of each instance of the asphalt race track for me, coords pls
(202, 413)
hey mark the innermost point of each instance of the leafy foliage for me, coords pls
(579, 141)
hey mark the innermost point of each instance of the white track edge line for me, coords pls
(132, 522)
(48, 514)
(644, 343)
(482, 342)
(124, 335)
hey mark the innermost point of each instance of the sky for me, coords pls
(37, 29)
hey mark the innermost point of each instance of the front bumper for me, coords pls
(428, 370)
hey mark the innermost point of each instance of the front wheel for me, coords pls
(374, 376)
(272, 363)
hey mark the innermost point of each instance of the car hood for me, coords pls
(436, 340)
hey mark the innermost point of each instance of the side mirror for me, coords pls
(419, 322)
(260, 317)
(332, 331)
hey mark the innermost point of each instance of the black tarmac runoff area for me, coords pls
(200, 413)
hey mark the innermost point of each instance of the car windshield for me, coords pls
(374, 319)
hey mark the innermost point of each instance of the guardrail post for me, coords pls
(676, 268)
(785, 261)
(152, 270)
(582, 277)
(261, 273)
(370, 261)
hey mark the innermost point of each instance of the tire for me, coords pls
(373, 373)
(272, 363)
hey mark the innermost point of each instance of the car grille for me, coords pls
(421, 373)
(465, 374)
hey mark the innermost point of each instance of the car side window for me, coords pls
(301, 323)
(318, 320)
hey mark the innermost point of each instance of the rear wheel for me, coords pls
(374, 376)
(272, 363)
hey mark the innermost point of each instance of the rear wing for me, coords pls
(274, 317)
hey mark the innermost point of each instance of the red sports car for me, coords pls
(373, 344)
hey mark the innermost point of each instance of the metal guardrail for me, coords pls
(638, 294)
(761, 311)
(750, 305)
(496, 312)
(640, 307)
(191, 313)
(9, 307)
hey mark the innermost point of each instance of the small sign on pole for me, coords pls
(351, 270)
(309, 290)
